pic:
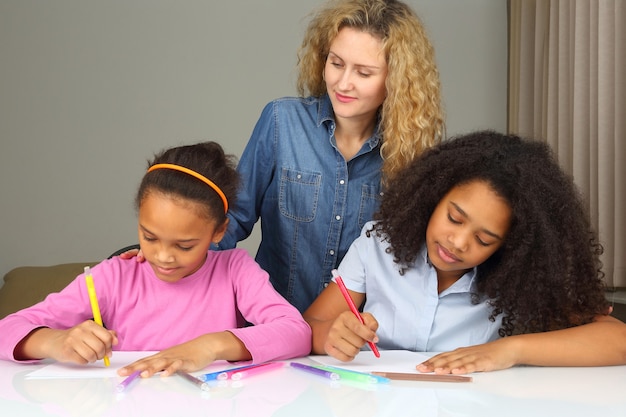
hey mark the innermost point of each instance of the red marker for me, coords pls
(353, 308)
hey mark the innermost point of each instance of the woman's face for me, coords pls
(174, 236)
(355, 74)
(468, 225)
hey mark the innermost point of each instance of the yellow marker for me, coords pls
(95, 309)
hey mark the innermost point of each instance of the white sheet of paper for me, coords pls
(118, 360)
(91, 370)
(389, 361)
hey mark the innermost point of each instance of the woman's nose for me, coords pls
(345, 81)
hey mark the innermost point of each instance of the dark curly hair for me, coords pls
(207, 159)
(547, 275)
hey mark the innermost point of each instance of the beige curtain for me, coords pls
(567, 86)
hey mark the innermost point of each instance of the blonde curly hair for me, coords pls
(412, 117)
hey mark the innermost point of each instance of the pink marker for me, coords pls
(355, 311)
(244, 373)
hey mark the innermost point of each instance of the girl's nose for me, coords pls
(164, 254)
(459, 241)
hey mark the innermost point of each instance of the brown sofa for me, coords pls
(27, 285)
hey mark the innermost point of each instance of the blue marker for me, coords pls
(223, 374)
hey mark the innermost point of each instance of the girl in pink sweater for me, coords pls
(187, 302)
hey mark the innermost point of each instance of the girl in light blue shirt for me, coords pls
(482, 249)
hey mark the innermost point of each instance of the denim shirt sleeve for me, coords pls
(256, 168)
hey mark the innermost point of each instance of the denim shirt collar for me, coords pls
(326, 115)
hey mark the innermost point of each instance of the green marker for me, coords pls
(345, 374)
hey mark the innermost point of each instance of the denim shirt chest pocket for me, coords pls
(370, 200)
(299, 194)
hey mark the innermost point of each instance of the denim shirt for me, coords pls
(311, 201)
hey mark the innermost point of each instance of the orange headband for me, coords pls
(194, 174)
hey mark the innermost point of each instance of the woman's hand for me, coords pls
(133, 252)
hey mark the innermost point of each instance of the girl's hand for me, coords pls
(347, 335)
(84, 343)
(187, 357)
(480, 358)
(190, 356)
(133, 252)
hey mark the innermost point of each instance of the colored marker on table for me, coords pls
(223, 374)
(316, 371)
(93, 299)
(198, 382)
(348, 375)
(255, 370)
(355, 311)
(123, 386)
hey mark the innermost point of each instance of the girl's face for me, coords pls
(355, 74)
(468, 225)
(174, 237)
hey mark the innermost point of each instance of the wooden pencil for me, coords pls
(424, 377)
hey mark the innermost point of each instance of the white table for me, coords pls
(520, 391)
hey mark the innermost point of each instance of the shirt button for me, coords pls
(338, 217)
(332, 252)
(326, 285)
(299, 176)
(342, 182)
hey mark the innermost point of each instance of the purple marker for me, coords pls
(317, 371)
(122, 386)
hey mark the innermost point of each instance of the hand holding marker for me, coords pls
(353, 308)
(93, 299)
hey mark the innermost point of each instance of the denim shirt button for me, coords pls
(332, 252)
(337, 217)
(342, 182)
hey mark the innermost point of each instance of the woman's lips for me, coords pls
(344, 99)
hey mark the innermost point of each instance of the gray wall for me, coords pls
(89, 90)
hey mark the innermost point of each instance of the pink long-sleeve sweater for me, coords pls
(150, 315)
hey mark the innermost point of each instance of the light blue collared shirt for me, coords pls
(311, 201)
(411, 314)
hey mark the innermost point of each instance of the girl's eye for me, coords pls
(481, 242)
(185, 248)
(452, 219)
(149, 239)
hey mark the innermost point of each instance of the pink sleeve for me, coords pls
(278, 331)
(60, 310)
